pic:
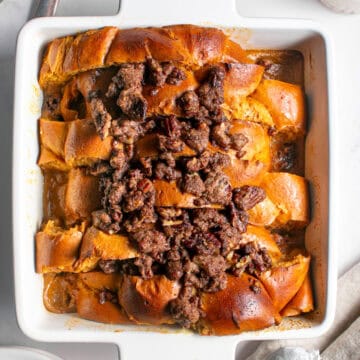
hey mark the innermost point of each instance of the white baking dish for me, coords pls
(137, 342)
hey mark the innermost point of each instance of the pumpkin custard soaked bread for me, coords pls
(172, 162)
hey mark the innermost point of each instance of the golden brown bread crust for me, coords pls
(237, 308)
(56, 248)
(240, 81)
(250, 109)
(79, 144)
(88, 303)
(69, 293)
(302, 302)
(192, 45)
(78, 250)
(49, 161)
(285, 102)
(284, 280)
(71, 196)
(66, 56)
(82, 196)
(83, 145)
(164, 101)
(286, 201)
(97, 280)
(265, 239)
(146, 301)
(89, 308)
(53, 136)
(97, 245)
(140, 301)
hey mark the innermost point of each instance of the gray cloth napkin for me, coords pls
(333, 343)
(346, 346)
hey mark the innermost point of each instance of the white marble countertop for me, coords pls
(346, 33)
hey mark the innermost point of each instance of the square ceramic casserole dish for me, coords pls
(135, 341)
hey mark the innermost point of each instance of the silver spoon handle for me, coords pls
(46, 8)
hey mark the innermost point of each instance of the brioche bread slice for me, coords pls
(57, 249)
(97, 245)
(146, 301)
(302, 302)
(244, 305)
(284, 280)
(286, 104)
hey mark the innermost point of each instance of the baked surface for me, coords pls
(173, 180)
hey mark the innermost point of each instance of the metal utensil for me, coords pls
(46, 8)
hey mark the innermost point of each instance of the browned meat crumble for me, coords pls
(194, 246)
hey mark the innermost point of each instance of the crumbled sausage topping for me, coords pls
(246, 197)
(127, 86)
(196, 247)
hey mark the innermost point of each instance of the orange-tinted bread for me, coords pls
(285, 102)
(59, 293)
(49, 161)
(237, 308)
(88, 50)
(146, 301)
(88, 303)
(284, 280)
(257, 147)
(97, 280)
(84, 146)
(169, 194)
(302, 302)
(75, 142)
(70, 196)
(53, 136)
(290, 194)
(51, 70)
(66, 56)
(249, 109)
(82, 196)
(264, 213)
(90, 308)
(286, 201)
(250, 168)
(88, 298)
(70, 93)
(188, 44)
(240, 81)
(264, 239)
(56, 248)
(97, 245)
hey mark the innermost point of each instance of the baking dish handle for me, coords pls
(204, 348)
(169, 10)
